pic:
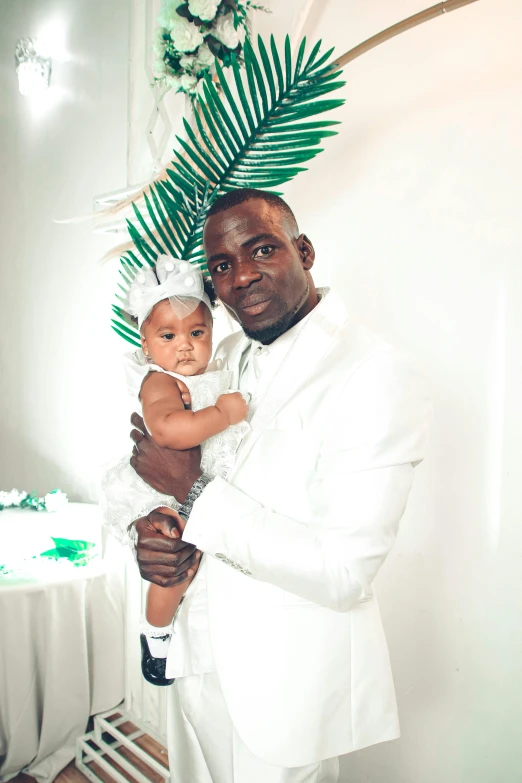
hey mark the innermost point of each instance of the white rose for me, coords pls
(204, 55)
(188, 81)
(225, 31)
(174, 82)
(56, 500)
(187, 61)
(203, 9)
(185, 35)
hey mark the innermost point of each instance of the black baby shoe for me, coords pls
(153, 669)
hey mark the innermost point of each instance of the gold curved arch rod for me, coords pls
(401, 27)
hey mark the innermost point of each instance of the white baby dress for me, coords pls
(125, 496)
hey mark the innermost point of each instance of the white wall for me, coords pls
(57, 353)
(414, 210)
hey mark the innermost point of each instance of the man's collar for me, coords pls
(294, 330)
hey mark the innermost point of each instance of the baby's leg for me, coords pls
(162, 604)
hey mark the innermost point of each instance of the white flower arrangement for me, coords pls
(53, 501)
(192, 33)
(13, 498)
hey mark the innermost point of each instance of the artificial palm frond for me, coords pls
(259, 139)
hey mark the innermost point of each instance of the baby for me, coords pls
(175, 321)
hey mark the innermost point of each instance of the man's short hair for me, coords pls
(235, 197)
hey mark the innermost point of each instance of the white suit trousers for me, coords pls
(205, 748)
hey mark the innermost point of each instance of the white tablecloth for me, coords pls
(61, 646)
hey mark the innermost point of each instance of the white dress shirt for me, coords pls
(260, 363)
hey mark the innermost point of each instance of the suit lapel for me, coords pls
(311, 345)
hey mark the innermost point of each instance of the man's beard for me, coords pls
(271, 332)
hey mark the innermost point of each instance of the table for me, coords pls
(61, 643)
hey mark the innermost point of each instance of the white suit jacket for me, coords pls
(297, 533)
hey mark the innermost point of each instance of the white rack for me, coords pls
(108, 751)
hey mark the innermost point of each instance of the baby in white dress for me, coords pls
(175, 322)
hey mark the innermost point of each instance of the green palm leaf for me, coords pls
(260, 137)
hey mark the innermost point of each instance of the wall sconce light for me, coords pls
(33, 66)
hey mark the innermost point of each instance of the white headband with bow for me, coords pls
(172, 279)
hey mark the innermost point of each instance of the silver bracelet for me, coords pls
(194, 493)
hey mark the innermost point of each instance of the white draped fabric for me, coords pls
(61, 652)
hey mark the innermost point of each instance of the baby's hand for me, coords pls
(233, 406)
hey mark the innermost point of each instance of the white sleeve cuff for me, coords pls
(221, 515)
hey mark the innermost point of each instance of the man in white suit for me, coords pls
(289, 665)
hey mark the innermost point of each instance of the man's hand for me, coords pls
(163, 558)
(185, 394)
(168, 471)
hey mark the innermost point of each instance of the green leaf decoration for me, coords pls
(76, 551)
(259, 138)
(73, 544)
